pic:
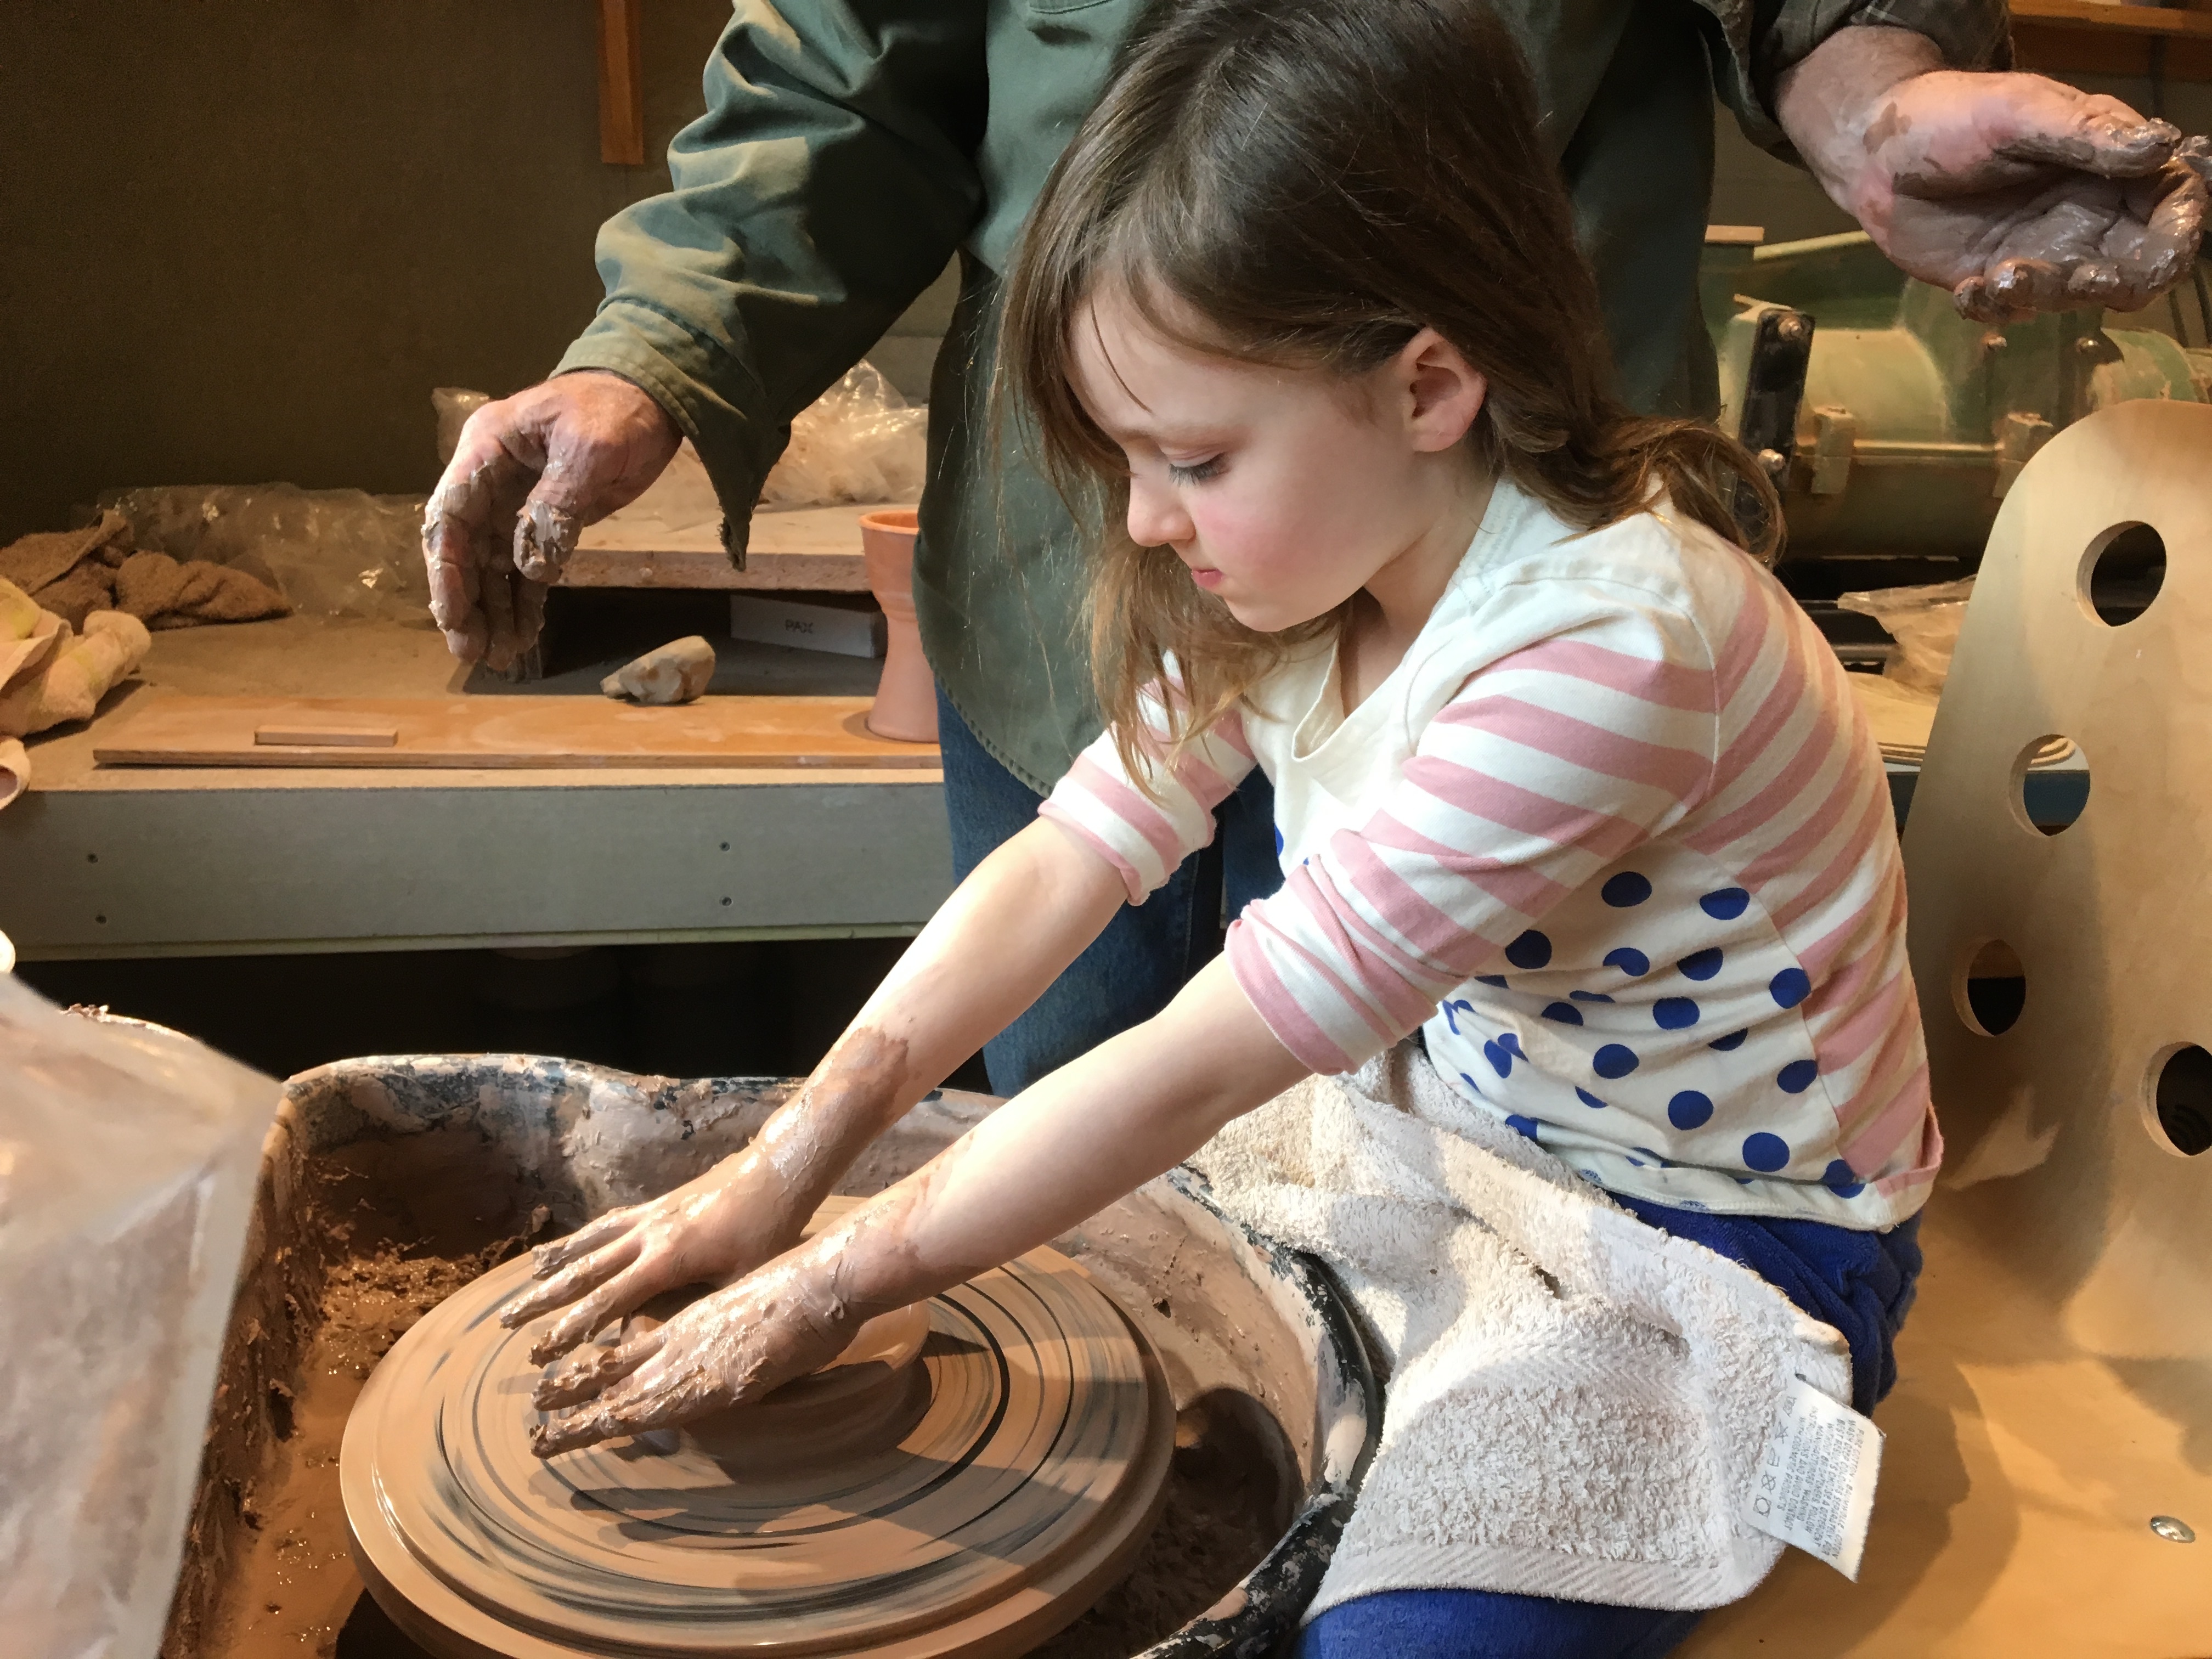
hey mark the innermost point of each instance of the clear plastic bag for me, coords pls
(1924, 621)
(128, 1159)
(859, 441)
(333, 552)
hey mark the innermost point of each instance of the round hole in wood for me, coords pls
(1992, 988)
(2181, 1099)
(2050, 783)
(2122, 572)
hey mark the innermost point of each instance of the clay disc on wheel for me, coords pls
(1017, 1464)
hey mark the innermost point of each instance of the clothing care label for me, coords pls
(1816, 1483)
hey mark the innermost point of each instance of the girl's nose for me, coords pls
(1157, 519)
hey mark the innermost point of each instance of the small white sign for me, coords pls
(1816, 1483)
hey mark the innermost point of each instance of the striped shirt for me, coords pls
(1616, 838)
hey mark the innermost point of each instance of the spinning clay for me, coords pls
(963, 1480)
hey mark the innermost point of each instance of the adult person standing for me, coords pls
(851, 147)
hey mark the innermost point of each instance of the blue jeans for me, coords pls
(1861, 1283)
(1147, 953)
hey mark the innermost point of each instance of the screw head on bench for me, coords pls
(2172, 1530)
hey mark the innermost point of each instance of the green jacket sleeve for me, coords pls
(1761, 39)
(829, 181)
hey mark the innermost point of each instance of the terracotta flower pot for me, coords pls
(905, 697)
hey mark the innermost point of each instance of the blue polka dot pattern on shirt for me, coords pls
(1764, 1153)
(1279, 841)
(1842, 1180)
(1589, 996)
(1499, 980)
(1791, 986)
(1655, 1158)
(1729, 1043)
(1473, 1084)
(1625, 889)
(1565, 1012)
(1675, 1013)
(1701, 964)
(1531, 951)
(1726, 904)
(1511, 1044)
(1589, 1099)
(1500, 1058)
(1689, 1109)
(1630, 961)
(1521, 1125)
(1797, 1076)
(1614, 1059)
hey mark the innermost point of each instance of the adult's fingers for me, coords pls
(2010, 290)
(587, 1273)
(545, 534)
(2154, 244)
(2100, 136)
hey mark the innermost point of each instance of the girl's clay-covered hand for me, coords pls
(2018, 193)
(724, 1350)
(709, 1231)
(747, 1210)
(530, 472)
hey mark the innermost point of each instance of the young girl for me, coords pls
(1567, 790)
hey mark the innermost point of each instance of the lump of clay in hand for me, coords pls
(675, 672)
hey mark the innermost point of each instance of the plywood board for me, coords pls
(505, 732)
(815, 548)
(2056, 1374)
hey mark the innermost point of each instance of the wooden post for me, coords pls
(622, 84)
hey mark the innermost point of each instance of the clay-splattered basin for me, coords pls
(387, 1180)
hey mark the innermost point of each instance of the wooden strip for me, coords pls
(622, 84)
(504, 733)
(330, 736)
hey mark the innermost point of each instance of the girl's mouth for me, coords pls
(1204, 577)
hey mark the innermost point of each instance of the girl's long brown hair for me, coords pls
(1312, 182)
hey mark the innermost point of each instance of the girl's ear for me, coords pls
(1443, 392)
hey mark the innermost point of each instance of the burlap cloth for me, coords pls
(75, 574)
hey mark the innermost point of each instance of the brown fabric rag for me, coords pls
(75, 572)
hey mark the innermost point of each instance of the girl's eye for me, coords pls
(1196, 472)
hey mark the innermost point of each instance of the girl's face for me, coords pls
(1284, 490)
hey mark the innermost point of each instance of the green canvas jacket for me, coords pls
(851, 147)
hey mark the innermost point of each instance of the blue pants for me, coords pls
(1134, 968)
(1861, 1283)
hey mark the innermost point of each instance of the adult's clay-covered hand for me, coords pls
(2018, 193)
(529, 472)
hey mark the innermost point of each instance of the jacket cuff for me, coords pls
(657, 355)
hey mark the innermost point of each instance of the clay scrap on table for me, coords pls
(676, 672)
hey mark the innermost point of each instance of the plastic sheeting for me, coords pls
(128, 1159)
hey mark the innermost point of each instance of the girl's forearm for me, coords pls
(1021, 917)
(1064, 1149)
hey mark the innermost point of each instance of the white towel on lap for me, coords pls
(1577, 1402)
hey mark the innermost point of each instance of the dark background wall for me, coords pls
(241, 239)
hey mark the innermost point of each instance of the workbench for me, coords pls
(101, 862)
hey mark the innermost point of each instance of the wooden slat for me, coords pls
(504, 733)
(622, 84)
(2080, 38)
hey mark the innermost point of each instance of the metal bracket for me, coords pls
(1774, 386)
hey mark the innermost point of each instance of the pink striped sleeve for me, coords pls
(1546, 766)
(1145, 828)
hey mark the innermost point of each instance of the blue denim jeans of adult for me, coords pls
(1133, 968)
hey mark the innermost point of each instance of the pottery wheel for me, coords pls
(966, 1478)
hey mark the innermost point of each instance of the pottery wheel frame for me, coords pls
(446, 1622)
